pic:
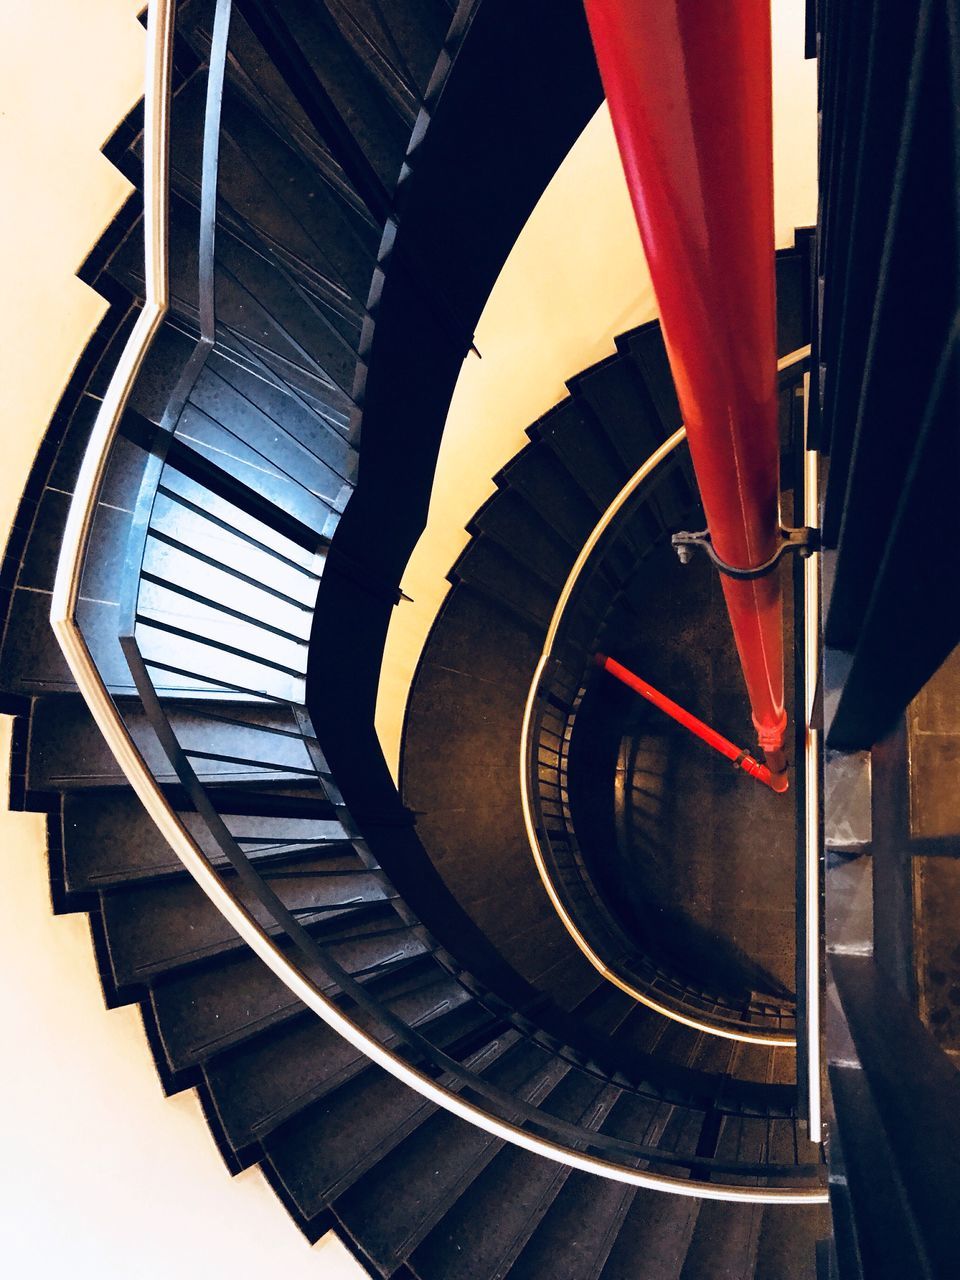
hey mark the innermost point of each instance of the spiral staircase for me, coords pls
(435, 1028)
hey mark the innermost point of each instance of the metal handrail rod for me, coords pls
(812, 843)
(643, 473)
(63, 616)
(721, 1012)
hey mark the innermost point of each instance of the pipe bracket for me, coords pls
(804, 541)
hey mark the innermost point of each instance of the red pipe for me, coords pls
(688, 83)
(741, 760)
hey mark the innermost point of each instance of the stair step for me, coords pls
(654, 1237)
(380, 126)
(161, 371)
(574, 1240)
(585, 453)
(623, 408)
(645, 347)
(109, 840)
(249, 208)
(274, 418)
(793, 288)
(487, 1229)
(31, 660)
(251, 73)
(724, 1241)
(413, 31)
(487, 568)
(546, 484)
(204, 1011)
(392, 1208)
(507, 659)
(156, 929)
(299, 485)
(256, 307)
(67, 752)
(606, 1010)
(306, 216)
(516, 528)
(787, 1246)
(567, 980)
(626, 410)
(326, 1152)
(262, 1084)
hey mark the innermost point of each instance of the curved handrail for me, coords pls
(555, 714)
(643, 473)
(109, 720)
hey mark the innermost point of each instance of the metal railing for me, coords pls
(810, 873)
(553, 697)
(309, 975)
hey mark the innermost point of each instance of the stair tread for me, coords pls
(203, 1011)
(260, 1085)
(155, 929)
(109, 840)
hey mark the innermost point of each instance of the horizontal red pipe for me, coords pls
(741, 759)
(688, 83)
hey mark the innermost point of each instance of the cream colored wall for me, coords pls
(103, 1176)
(574, 280)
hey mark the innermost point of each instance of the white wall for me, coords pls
(102, 1176)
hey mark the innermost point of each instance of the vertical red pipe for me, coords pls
(688, 83)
